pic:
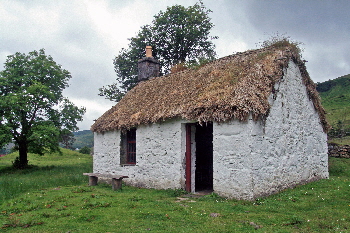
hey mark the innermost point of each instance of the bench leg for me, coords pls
(93, 180)
(116, 184)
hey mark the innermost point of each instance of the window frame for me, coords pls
(128, 151)
(131, 146)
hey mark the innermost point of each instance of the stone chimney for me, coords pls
(148, 66)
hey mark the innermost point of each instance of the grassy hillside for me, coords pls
(335, 96)
(83, 138)
(53, 196)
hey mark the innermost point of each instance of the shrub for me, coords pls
(85, 150)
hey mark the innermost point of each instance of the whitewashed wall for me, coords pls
(294, 146)
(232, 158)
(106, 152)
(159, 156)
(253, 159)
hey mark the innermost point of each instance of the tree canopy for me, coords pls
(177, 35)
(33, 112)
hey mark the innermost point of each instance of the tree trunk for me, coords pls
(23, 155)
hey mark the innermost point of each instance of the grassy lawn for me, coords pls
(53, 196)
(341, 141)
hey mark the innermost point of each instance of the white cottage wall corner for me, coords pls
(294, 146)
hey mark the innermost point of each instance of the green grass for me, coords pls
(47, 171)
(340, 141)
(54, 197)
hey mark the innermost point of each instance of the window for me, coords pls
(128, 147)
(131, 147)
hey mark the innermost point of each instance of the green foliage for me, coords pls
(33, 112)
(177, 35)
(183, 35)
(335, 97)
(85, 150)
(327, 87)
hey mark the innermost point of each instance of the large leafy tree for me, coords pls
(33, 112)
(177, 35)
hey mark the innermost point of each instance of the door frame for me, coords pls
(191, 157)
(188, 155)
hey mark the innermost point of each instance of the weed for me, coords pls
(87, 218)
(94, 205)
(46, 215)
(135, 198)
(259, 201)
(294, 221)
(82, 190)
(14, 222)
(213, 196)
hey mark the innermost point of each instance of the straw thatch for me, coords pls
(228, 88)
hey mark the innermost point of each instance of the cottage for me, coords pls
(244, 126)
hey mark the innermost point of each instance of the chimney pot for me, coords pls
(148, 51)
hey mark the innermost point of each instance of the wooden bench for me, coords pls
(116, 179)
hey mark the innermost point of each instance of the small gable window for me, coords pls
(128, 147)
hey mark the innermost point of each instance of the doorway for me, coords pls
(204, 157)
(200, 149)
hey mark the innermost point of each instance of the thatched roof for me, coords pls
(227, 88)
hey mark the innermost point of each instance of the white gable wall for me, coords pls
(294, 146)
(253, 159)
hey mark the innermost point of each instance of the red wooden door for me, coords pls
(188, 158)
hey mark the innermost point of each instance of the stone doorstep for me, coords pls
(199, 193)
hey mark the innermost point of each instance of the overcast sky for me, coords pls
(85, 35)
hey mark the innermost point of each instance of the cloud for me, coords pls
(85, 35)
(94, 110)
(319, 25)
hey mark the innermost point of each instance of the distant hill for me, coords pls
(83, 138)
(335, 97)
